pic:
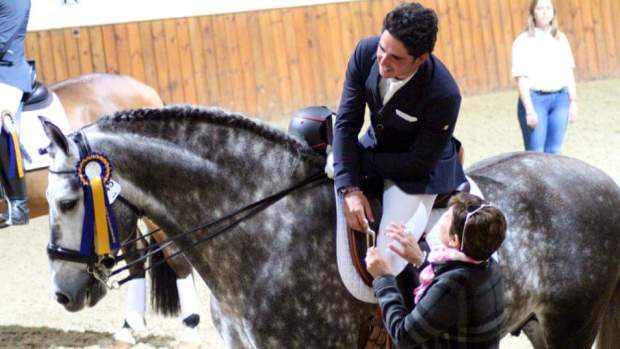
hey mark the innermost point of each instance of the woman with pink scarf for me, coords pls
(459, 303)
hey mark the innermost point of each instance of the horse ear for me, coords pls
(57, 138)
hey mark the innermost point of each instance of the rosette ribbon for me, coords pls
(99, 229)
(9, 132)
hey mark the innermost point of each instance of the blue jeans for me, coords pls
(552, 110)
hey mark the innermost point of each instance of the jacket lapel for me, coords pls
(372, 84)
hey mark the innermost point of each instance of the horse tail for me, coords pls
(609, 332)
(164, 293)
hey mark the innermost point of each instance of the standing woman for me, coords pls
(542, 64)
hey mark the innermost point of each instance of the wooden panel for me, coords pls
(161, 60)
(134, 46)
(148, 56)
(47, 69)
(610, 37)
(71, 58)
(280, 61)
(97, 49)
(303, 48)
(233, 65)
(121, 42)
(83, 43)
(59, 54)
(491, 71)
(295, 81)
(599, 38)
(503, 59)
(186, 62)
(175, 85)
(197, 47)
(615, 9)
(588, 31)
(109, 44)
(212, 89)
(472, 68)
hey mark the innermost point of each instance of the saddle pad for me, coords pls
(32, 135)
(351, 279)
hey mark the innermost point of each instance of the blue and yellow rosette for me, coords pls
(99, 228)
(11, 138)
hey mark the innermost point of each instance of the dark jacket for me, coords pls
(462, 309)
(13, 23)
(410, 139)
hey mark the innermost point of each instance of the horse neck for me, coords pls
(200, 173)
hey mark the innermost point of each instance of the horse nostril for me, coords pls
(62, 299)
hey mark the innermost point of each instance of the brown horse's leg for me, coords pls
(179, 264)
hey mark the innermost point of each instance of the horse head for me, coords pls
(77, 272)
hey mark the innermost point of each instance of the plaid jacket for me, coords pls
(462, 309)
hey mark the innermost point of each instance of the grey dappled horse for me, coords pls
(274, 278)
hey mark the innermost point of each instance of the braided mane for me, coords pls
(179, 116)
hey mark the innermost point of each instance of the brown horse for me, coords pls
(85, 99)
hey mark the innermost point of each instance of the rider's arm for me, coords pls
(349, 121)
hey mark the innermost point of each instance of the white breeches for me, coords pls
(412, 210)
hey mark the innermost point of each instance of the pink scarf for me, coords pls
(443, 254)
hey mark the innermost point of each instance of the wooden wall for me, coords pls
(270, 63)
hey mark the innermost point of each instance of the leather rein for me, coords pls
(101, 267)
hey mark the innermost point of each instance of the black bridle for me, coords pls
(101, 267)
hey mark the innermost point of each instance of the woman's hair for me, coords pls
(531, 22)
(486, 228)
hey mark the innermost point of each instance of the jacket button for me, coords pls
(380, 127)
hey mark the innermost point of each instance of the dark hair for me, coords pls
(414, 25)
(486, 229)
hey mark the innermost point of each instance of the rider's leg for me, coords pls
(412, 210)
(14, 185)
(189, 309)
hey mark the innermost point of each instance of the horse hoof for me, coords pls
(123, 339)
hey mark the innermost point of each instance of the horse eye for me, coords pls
(67, 205)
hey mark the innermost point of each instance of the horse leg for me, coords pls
(534, 332)
(186, 290)
(609, 332)
(134, 324)
(566, 327)
(189, 311)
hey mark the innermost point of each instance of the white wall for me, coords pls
(51, 14)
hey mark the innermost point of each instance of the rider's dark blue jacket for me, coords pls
(410, 138)
(13, 22)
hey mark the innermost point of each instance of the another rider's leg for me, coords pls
(134, 311)
(189, 309)
(14, 185)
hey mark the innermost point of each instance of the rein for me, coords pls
(236, 216)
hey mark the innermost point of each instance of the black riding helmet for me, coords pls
(314, 126)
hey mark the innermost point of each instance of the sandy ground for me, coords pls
(30, 318)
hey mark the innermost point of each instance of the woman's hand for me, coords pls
(375, 264)
(531, 119)
(357, 211)
(572, 111)
(407, 247)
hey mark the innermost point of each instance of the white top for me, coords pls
(389, 86)
(543, 59)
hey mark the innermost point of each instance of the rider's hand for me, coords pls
(407, 247)
(375, 264)
(357, 210)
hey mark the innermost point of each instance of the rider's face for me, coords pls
(394, 60)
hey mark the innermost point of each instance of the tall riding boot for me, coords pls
(15, 188)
